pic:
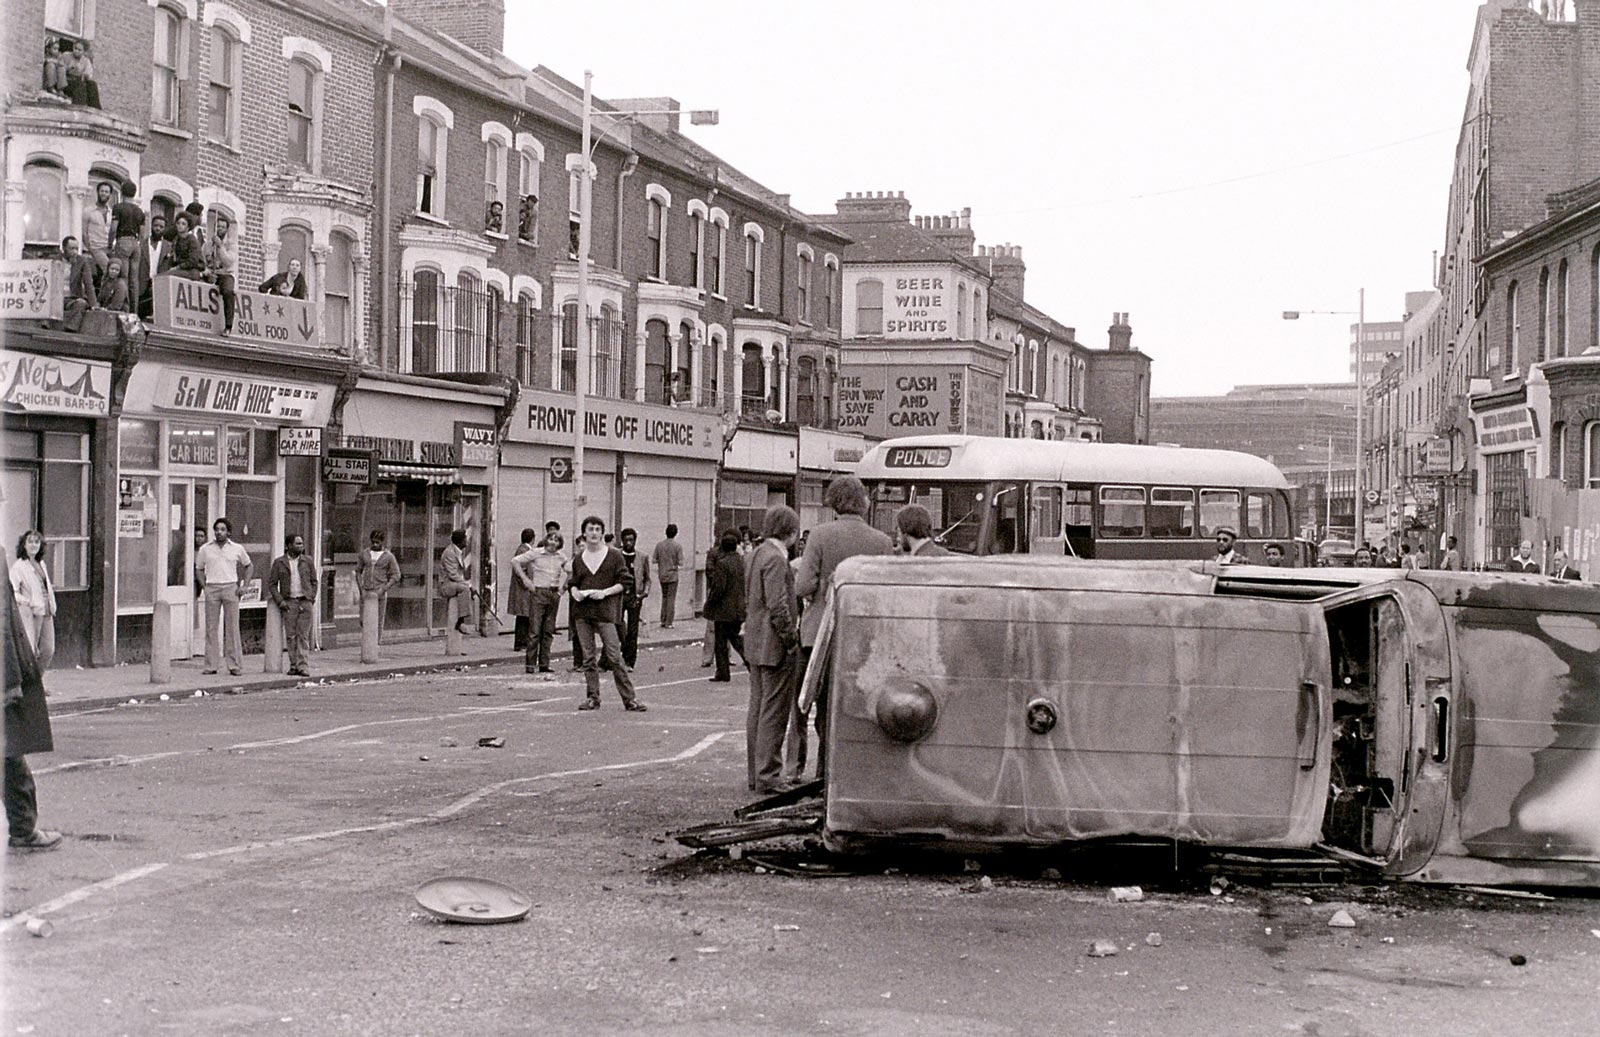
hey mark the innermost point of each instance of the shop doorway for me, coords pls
(191, 508)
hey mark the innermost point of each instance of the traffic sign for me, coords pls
(1372, 496)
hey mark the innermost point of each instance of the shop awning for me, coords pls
(441, 475)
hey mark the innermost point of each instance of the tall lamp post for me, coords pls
(1359, 518)
(586, 172)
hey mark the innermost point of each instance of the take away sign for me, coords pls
(277, 320)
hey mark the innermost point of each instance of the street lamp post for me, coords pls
(586, 171)
(1359, 517)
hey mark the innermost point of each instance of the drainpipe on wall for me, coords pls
(393, 61)
(628, 166)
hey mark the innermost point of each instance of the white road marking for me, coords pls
(450, 810)
(270, 743)
(79, 894)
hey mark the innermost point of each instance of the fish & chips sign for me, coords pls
(28, 289)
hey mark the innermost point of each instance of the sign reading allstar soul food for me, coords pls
(185, 305)
(54, 385)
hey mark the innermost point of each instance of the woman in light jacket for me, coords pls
(36, 598)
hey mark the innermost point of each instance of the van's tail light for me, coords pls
(907, 712)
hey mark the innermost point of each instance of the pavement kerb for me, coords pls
(244, 685)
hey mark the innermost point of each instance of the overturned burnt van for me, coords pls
(1432, 726)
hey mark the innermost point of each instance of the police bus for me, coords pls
(992, 496)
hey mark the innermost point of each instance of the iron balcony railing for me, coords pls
(449, 330)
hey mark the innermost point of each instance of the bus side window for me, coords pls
(1044, 520)
(1266, 516)
(1122, 511)
(1078, 516)
(1171, 512)
(1218, 508)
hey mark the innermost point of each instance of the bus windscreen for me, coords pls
(957, 509)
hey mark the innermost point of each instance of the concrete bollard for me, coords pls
(370, 603)
(452, 636)
(161, 643)
(272, 640)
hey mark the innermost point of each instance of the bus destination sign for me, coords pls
(917, 457)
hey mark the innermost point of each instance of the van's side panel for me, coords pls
(1180, 715)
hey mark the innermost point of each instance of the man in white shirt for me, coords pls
(223, 568)
(1226, 555)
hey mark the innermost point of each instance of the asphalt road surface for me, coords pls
(246, 864)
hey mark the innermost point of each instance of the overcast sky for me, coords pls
(1202, 166)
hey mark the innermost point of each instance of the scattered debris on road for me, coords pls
(1153, 940)
(464, 898)
(1126, 894)
(1341, 920)
(1515, 894)
(448, 742)
(40, 927)
(1102, 949)
(491, 743)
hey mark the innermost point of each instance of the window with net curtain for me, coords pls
(338, 317)
(302, 113)
(45, 186)
(164, 70)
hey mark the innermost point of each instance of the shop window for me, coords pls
(45, 188)
(251, 507)
(47, 488)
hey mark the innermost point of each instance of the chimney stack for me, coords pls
(1120, 333)
(480, 24)
(952, 231)
(879, 205)
(1007, 268)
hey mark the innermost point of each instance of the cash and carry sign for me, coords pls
(278, 320)
(883, 402)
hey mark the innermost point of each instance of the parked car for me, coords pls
(1432, 726)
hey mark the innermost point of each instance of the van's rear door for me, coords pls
(1078, 701)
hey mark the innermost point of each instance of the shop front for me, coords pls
(759, 469)
(55, 409)
(824, 456)
(644, 466)
(416, 461)
(1509, 428)
(202, 438)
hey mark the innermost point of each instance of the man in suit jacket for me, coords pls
(829, 544)
(376, 572)
(916, 532)
(292, 585)
(771, 638)
(1562, 568)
